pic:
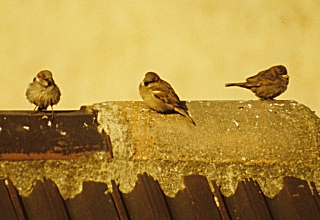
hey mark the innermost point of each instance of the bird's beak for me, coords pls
(45, 82)
(285, 76)
(50, 81)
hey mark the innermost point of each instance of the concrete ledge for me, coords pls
(233, 140)
(227, 131)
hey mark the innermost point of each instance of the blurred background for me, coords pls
(100, 50)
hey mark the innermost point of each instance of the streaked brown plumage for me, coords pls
(160, 96)
(43, 91)
(267, 84)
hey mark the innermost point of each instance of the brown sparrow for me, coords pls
(267, 84)
(43, 91)
(160, 96)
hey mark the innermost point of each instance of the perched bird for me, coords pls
(43, 91)
(160, 96)
(267, 84)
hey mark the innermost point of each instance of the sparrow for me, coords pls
(267, 84)
(43, 91)
(160, 96)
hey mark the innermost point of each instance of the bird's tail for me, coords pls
(244, 85)
(185, 113)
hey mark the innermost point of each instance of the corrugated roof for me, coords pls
(147, 201)
(135, 142)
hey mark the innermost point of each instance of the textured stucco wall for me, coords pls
(100, 50)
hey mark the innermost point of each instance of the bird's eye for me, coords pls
(146, 83)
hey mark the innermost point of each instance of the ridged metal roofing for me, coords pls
(147, 201)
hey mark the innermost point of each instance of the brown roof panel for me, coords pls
(147, 200)
(195, 201)
(180, 207)
(200, 197)
(316, 195)
(220, 202)
(45, 202)
(92, 203)
(7, 210)
(26, 136)
(118, 202)
(248, 202)
(294, 201)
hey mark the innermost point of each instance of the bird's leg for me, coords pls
(34, 110)
(52, 116)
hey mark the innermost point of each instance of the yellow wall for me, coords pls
(100, 50)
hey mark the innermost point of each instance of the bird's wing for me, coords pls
(263, 78)
(166, 93)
